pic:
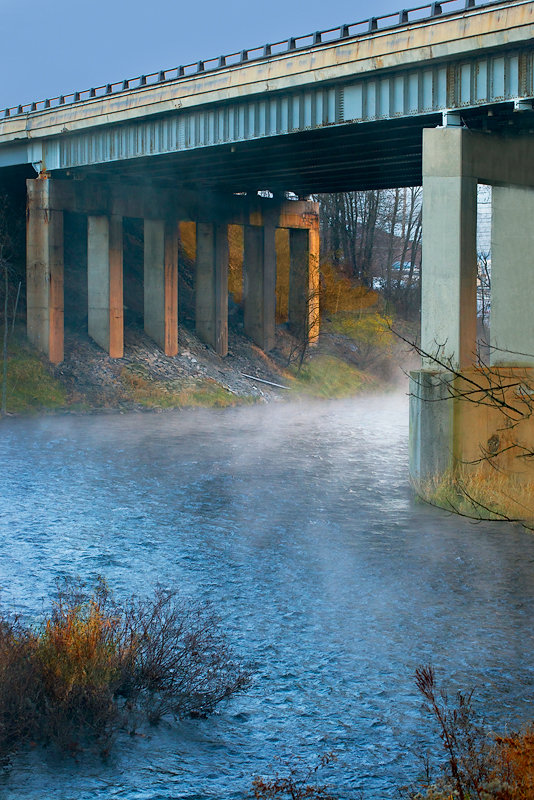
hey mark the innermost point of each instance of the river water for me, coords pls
(297, 522)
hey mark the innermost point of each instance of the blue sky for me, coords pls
(59, 46)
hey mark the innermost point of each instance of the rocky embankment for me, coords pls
(146, 377)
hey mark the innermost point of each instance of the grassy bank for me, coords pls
(31, 386)
(149, 393)
(330, 377)
(482, 494)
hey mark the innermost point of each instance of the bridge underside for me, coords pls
(341, 158)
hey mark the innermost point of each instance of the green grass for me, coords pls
(30, 386)
(330, 377)
(144, 391)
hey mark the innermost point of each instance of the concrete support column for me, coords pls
(44, 267)
(448, 302)
(259, 285)
(304, 282)
(212, 286)
(104, 283)
(512, 279)
(161, 283)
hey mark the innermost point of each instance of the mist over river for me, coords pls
(298, 523)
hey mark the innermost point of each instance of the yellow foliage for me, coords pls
(341, 294)
(367, 330)
(282, 275)
(78, 648)
(235, 262)
(188, 239)
(330, 377)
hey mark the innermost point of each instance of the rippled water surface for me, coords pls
(298, 523)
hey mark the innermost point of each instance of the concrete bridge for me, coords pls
(441, 94)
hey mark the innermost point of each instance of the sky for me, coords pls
(60, 46)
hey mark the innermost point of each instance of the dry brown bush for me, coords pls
(95, 665)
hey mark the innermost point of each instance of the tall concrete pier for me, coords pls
(465, 414)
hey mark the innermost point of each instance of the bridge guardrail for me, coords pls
(256, 54)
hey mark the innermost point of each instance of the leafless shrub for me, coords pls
(477, 763)
(296, 784)
(95, 666)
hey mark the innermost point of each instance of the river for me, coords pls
(298, 524)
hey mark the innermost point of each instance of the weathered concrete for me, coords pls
(44, 254)
(448, 291)
(512, 278)
(105, 203)
(104, 277)
(431, 424)
(212, 285)
(465, 416)
(259, 284)
(479, 420)
(161, 283)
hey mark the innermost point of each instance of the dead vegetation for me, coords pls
(94, 666)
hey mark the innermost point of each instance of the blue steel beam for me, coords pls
(464, 84)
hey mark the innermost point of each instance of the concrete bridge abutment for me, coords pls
(469, 417)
